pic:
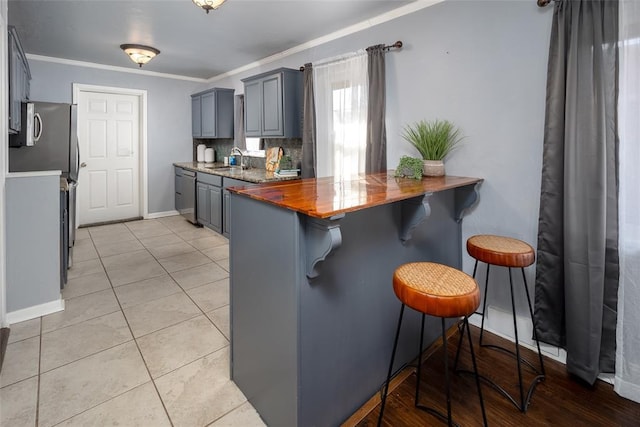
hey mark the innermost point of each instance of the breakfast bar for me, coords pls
(313, 313)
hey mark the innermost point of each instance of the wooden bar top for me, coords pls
(327, 197)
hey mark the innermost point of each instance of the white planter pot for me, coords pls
(433, 168)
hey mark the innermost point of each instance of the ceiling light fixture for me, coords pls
(139, 54)
(208, 5)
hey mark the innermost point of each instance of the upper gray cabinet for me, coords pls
(273, 104)
(19, 77)
(212, 113)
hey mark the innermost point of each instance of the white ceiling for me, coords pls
(192, 43)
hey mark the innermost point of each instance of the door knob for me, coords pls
(83, 165)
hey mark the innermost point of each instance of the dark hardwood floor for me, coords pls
(560, 400)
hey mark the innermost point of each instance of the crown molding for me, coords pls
(376, 20)
(363, 25)
(137, 71)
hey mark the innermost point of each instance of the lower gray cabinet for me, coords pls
(212, 204)
(226, 219)
(227, 214)
(179, 204)
(204, 207)
(209, 201)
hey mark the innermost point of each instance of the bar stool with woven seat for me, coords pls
(511, 253)
(440, 291)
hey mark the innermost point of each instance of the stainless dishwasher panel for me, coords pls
(71, 211)
(188, 191)
(64, 235)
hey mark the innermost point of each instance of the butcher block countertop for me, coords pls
(254, 175)
(327, 197)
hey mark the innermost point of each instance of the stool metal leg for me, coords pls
(478, 377)
(446, 372)
(393, 355)
(484, 301)
(533, 321)
(524, 401)
(475, 368)
(432, 411)
(461, 330)
(419, 362)
(448, 419)
(515, 329)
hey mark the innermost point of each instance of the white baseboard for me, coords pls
(500, 322)
(155, 215)
(35, 311)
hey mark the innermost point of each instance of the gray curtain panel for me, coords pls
(308, 168)
(238, 124)
(376, 127)
(577, 269)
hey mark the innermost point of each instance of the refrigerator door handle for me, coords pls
(38, 127)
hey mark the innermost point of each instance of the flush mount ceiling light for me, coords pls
(208, 5)
(139, 54)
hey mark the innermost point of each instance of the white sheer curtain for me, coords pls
(627, 377)
(341, 91)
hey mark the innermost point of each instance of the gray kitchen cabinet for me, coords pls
(203, 208)
(252, 115)
(19, 77)
(209, 201)
(215, 208)
(273, 104)
(226, 217)
(179, 203)
(196, 116)
(212, 113)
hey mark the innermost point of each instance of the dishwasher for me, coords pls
(188, 192)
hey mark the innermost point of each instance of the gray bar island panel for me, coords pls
(313, 313)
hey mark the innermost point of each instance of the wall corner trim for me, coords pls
(35, 311)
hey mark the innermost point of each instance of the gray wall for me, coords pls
(168, 116)
(481, 64)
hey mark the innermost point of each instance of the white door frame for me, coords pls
(142, 143)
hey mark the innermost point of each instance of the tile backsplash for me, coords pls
(292, 147)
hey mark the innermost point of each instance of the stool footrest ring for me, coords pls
(436, 413)
(521, 407)
(515, 356)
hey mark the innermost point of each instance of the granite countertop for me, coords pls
(254, 175)
(326, 197)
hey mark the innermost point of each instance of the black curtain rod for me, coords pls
(396, 45)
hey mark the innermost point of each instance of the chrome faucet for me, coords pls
(235, 150)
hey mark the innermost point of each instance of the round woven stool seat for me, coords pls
(499, 250)
(436, 289)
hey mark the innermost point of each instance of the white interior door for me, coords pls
(109, 140)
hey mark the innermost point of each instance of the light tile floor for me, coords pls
(143, 340)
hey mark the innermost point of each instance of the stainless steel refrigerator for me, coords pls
(49, 141)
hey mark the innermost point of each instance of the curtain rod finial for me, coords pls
(543, 3)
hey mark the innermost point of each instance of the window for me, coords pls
(341, 96)
(254, 147)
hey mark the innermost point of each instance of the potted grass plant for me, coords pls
(434, 140)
